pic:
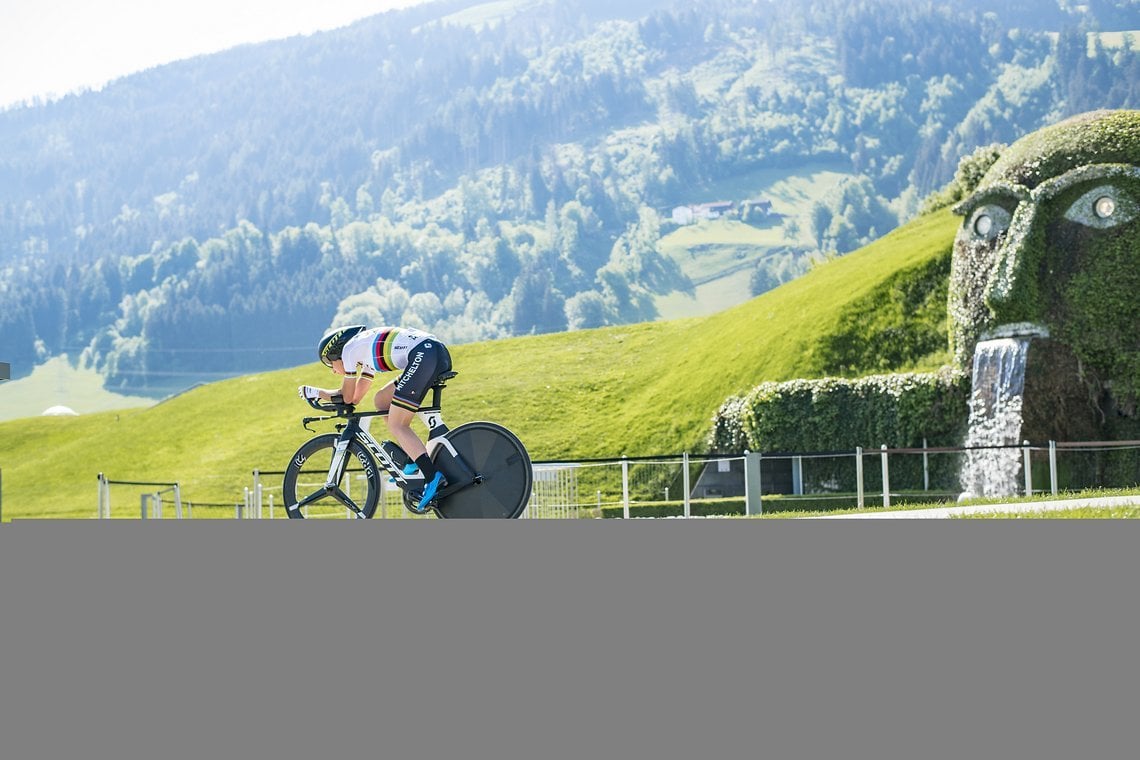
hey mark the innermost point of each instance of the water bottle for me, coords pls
(396, 453)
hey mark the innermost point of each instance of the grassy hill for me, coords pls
(643, 389)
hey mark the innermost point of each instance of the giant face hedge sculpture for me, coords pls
(1051, 237)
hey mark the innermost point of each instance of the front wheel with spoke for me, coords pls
(305, 481)
(502, 468)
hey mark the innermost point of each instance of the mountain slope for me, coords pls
(494, 173)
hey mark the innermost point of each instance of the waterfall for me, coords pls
(995, 417)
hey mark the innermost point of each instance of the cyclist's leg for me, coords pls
(426, 362)
(399, 423)
(382, 399)
(400, 426)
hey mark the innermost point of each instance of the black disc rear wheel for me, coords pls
(502, 468)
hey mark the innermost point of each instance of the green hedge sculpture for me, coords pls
(1050, 238)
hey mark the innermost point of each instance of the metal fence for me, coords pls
(685, 486)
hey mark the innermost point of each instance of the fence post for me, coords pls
(753, 505)
(925, 466)
(625, 487)
(685, 482)
(144, 502)
(178, 501)
(348, 514)
(1053, 466)
(1027, 467)
(859, 476)
(886, 477)
(798, 476)
(104, 497)
(381, 511)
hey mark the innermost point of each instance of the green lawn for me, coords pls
(779, 507)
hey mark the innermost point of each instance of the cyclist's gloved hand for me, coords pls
(309, 393)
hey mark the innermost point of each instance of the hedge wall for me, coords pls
(834, 414)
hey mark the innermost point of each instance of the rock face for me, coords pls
(1050, 243)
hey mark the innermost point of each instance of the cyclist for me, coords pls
(358, 354)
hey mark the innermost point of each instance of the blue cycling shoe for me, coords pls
(430, 490)
(411, 468)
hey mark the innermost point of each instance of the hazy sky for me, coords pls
(51, 47)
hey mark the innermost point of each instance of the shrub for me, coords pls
(834, 414)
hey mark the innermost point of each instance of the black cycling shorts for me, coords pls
(426, 361)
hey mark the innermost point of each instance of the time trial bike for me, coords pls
(487, 468)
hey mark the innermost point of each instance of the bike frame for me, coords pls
(432, 418)
(353, 431)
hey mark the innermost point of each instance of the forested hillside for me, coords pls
(494, 169)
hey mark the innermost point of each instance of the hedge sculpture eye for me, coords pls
(1104, 207)
(988, 222)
